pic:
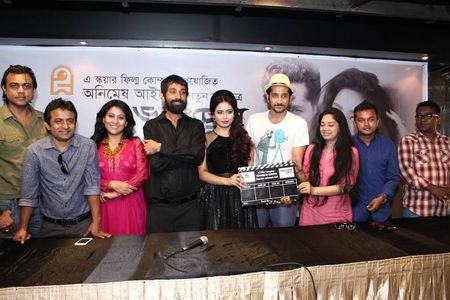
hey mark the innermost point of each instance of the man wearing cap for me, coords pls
(424, 159)
(305, 80)
(279, 136)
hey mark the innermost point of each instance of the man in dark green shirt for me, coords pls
(20, 126)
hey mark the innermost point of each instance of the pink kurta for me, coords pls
(124, 214)
(337, 208)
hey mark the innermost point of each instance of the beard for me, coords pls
(176, 106)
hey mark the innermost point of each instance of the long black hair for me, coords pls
(241, 143)
(343, 161)
(367, 85)
(100, 131)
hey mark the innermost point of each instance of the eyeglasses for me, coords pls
(64, 166)
(348, 226)
(425, 117)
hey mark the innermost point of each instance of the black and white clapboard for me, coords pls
(268, 182)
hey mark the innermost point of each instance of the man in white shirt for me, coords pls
(278, 136)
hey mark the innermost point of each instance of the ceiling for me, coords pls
(428, 10)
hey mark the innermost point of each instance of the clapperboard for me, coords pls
(268, 182)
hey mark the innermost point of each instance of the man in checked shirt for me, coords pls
(424, 158)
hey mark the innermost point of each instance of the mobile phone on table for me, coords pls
(83, 241)
(382, 226)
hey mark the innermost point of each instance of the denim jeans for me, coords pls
(34, 225)
(407, 213)
(361, 214)
(279, 215)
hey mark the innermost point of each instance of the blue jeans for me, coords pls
(361, 214)
(34, 225)
(278, 215)
(407, 213)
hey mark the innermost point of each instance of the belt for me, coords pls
(177, 201)
(68, 222)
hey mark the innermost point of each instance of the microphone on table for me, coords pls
(203, 240)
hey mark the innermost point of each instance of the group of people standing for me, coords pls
(54, 182)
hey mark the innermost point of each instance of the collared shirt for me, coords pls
(423, 161)
(174, 170)
(63, 196)
(378, 168)
(14, 140)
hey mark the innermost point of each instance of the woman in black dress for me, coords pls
(228, 147)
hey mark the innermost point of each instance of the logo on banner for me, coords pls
(61, 81)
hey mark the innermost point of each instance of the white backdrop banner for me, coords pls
(91, 76)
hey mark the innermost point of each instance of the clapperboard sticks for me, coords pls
(268, 182)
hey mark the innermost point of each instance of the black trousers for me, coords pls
(163, 217)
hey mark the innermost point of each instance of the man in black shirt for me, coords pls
(175, 146)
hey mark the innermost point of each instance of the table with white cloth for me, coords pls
(412, 262)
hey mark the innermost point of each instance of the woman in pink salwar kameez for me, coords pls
(124, 169)
(330, 168)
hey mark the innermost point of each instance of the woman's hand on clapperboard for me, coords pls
(237, 180)
(305, 188)
(286, 200)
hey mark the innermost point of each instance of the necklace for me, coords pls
(109, 154)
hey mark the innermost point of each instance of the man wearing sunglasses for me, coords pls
(20, 126)
(63, 167)
(424, 159)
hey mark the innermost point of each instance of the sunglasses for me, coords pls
(64, 166)
(348, 226)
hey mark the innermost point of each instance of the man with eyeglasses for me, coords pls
(20, 126)
(279, 136)
(424, 159)
(63, 167)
